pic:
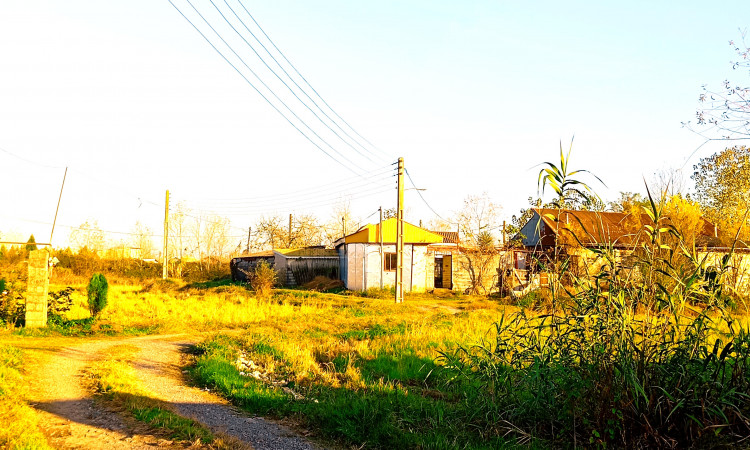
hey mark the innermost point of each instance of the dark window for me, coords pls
(389, 263)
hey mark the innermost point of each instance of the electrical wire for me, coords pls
(301, 89)
(260, 93)
(281, 79)
(329, 201)
(425, 201)
(336, 186)
(305, 80)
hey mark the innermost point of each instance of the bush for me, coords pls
(97, 294)
(59, 302)
(264, 279)
(12, 302)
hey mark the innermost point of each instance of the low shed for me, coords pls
(366, 263)
(295, 266)
(242, 266)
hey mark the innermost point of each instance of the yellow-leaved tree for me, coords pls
(722, 187)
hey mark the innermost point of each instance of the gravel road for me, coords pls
(71, 419)
(158, 367)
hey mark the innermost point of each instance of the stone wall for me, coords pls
(38, 286)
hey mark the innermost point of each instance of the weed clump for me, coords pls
(264, 279)
(97, 291)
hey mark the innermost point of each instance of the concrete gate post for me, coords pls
(36, 293)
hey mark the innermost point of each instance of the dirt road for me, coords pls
(71, 419)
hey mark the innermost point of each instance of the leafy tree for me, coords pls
(31, 244)
(97, 291)
(626, 202)
(722, 184)
(685, 216)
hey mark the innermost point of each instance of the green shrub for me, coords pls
(264, 279)
(12, 302)
(97, 290)
(59, 302)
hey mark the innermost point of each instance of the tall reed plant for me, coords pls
(643, 353)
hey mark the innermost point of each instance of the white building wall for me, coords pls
(363, 267)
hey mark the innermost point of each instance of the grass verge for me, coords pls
(362, 374)
(19, 428)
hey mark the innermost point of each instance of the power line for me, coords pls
(260, 93)
(291, 78)
(135, 195)
(282, 80)
(305, 80)
(329, 201)
(303, 198)
(36, 163)
(425, 201)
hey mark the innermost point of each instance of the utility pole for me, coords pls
(58, 208)
(290, 231)
(343, 225)
(380, 238)
(166, 237)
(400, 234)
(249, 229)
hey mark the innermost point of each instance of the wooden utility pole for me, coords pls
(290, 231)
(65, 175)
(249, 229)
(164, 256)
(400, 234)
(380, 238)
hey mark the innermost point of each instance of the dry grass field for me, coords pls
(438, 371)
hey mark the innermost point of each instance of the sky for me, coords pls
(473, 95)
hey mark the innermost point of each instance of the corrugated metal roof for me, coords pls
(262, 254)
(413, 234)
(307, 251)
(611, 227)
(449, 237)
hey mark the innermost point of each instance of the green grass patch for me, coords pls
(397, 407)
(374, 331)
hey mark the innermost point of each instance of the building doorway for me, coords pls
(443, 272)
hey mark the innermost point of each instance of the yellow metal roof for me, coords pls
(369, 234)
(306, 251)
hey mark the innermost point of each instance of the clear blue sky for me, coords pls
(472, 94)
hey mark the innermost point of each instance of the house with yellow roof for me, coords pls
(367, 257)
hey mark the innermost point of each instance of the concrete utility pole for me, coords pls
(400, 234)
(166, 237)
